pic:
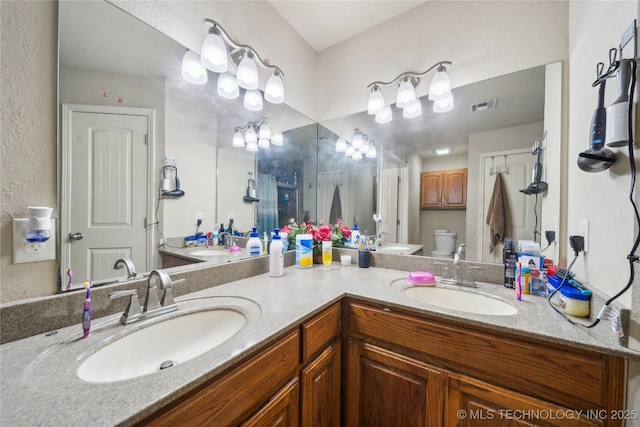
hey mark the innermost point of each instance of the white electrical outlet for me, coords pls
(199, 217)
(584, 232)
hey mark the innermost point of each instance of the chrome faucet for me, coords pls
(225, 239)
(128, 265)
(152, 305)
(462, 274)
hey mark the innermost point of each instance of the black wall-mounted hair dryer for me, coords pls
(538, 185)
(598, 157)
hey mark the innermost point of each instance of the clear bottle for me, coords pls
(276, 255)
(254, 245)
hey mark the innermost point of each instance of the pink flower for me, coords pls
(286, 229)
(323, 234)
(345, 232)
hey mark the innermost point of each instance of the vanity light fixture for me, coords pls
(360, 146)
(406, 97)
(221, 54)
(258, 135)
(341, 145)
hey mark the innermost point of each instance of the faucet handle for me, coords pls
(133, 308)
(445, 270)
(470, 269)
(167, 298)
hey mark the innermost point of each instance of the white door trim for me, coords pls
(65, 176)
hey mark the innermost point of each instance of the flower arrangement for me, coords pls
(337, 233)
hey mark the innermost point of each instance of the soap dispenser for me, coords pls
(276, 255)
(254, 245)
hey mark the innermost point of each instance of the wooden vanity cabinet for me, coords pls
(397, 356)
(443, 189)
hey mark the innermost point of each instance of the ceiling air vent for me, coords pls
(483, 106)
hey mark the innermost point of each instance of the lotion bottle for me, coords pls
(276, 255)
(254, 245)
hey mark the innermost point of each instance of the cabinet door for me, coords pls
(321, 390)
(454, 189)
(430, 190)
(474, 403)
(384, 388)
(280, 411)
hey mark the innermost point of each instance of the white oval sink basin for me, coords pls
(166, 343)
(461, 300)
(209, 252)
(394, 248)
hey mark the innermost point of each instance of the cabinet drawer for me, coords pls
(574, 378)
(318, 332)
(224, 402)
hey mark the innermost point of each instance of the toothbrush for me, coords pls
(69, 278)
(519, 281)
(86, 313)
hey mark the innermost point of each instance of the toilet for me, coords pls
(445, 244)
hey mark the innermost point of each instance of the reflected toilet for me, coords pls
(445, 243)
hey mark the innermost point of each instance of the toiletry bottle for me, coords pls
(220, 235)
(276, 255)
(355, 235)
(215, 238)
(265, 241)
(304, 251)
(254, 245)
(509, 258)
(86, 312)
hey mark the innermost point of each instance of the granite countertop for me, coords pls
(40, 386)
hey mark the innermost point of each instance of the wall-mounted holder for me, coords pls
(250, 197)
(34, 238)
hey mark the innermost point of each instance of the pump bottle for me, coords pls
(276, 255)
(254, 245)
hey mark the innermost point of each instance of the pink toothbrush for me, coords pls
(70, 277)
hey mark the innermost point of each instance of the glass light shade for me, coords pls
(376, 101)
(365, 146)
(372, 153)
(385, 116)
(357, 156)
(247, 74)
(406, 94)
(350, 151)
(253, 100)
(252, 146)
(277, 139)
(192, 70)
(238, 139)
(443, 105)
(412, 111)
(442, 151)
(265, 131)
(440, 85)
(250, 136)
(274, 89)
(227, 86)
(263, 143)
(341, 145)
(213, 54)
(357, 141)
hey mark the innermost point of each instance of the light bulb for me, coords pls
(385, 116)
(250, 136)
(357, 156)
(440, 85)
(341, 145)
(357, 141)
(265, 131)
(350, 151)
(238, 139)
(376, 101)
(277, 139)
(443, 105)
(412, 111)
(253, 100)
(247, 74)
(372, 153)
(274, 89)
(213, 54)
(192, 70)
(227, 86)
(406, 94)
(263, 143)
(252, 146)
(365, 146)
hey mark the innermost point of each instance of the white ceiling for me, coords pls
(323, 23)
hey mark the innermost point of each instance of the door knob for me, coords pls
(75, 236)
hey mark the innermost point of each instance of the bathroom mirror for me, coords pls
(492, 128)
(117, 73)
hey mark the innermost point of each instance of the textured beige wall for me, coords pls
(28, 123)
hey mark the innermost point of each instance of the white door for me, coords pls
(106, 194)
(516, 168)
(389, 203)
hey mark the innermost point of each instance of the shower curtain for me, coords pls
(267, 192)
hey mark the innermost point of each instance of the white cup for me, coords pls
(345, 259)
